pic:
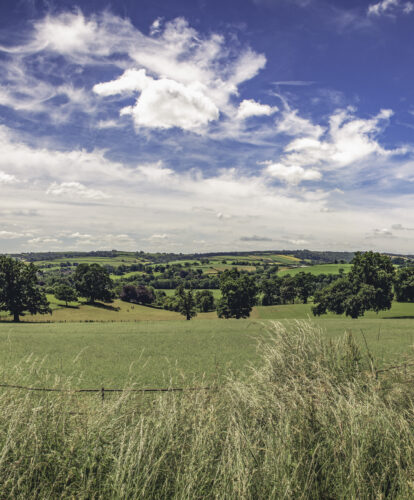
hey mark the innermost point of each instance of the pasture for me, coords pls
(151, 347)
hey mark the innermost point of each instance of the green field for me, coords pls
(318, 269)
(149, 352)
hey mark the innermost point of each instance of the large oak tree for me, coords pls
(368, 287)
(19, 291)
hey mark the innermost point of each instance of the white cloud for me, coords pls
(165, 104)
(103, 124)
(379, 233)
(292, 174)
(81, 236)
(43, 241)
(292, 124)
(130, 81)
(10, 235)
(193, 78)
(347, 140)
(222, 216)
(385, 7)
(75, 190)
(250, 107)
(7, 178)
(158, 236)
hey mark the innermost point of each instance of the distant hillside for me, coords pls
(305, 256)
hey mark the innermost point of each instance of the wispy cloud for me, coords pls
(390, 7)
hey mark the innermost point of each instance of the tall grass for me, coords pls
(313, 422)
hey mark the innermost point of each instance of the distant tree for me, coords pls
(145, 295)
(66, 293)
(404, 285)
(288, 289)
(368, 287)
(138, 295)
(270, 288)
(185, 302)
(204, 300)
(305, 286)
(238, 295)
(128, 293)
(19, 291)
(92, 281)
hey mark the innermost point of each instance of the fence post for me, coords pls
(103, 394)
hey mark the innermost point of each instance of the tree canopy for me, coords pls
(19, 291)
(92, 281)
(368, 287)
(204, 300)
(138, 294)
(185, 302)
(404, 285)
(238, 294)
(66, 292)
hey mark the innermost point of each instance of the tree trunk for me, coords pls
(16, 317)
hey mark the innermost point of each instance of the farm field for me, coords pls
(317, 269)
(158, 353)
(215, 262)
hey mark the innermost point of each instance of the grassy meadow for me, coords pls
(310, 422)
(153, 347)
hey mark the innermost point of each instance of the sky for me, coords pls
(206, 125)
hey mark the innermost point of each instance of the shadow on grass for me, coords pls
(151, 306)
(399, 317)
(100, 305)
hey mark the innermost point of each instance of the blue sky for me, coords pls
(206, 125)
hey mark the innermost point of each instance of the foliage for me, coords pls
(19, 291)
(288, 289)
(92, 281)
(66, 293)
(404, 285)
(238, 295)
(368, 286)
(138, 295)
(185, 301)
(204, 300)
(305, 286)
(270, 288)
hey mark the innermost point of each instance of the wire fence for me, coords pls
(103, 390)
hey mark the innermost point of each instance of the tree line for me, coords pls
(371, 284)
